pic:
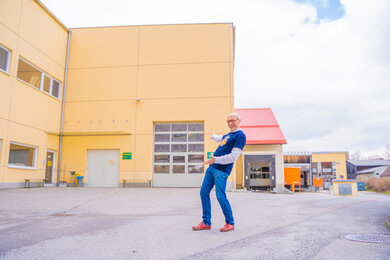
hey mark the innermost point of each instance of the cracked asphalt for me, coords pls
(136, 223)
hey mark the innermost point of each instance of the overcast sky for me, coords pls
(323, 66)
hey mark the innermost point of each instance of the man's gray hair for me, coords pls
(235, 114)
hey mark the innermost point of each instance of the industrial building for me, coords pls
(121, 106)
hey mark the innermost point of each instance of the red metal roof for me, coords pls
(260, 126)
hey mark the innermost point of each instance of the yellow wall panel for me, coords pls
(76, 149)
(8, 39)
(34, 108)
(10, 13)
(42, 62)
(26, 135)
(113, 83)
(190, 43)
(5, 94)
(338, 157)
(213, 111)
(184, 80)
(100, 116)
(143, 153)
(42, 31)
(104, 47)
(52, 142)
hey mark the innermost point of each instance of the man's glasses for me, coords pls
(231, 121)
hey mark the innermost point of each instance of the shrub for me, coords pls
(378, 184)
(383, 184)
(372, 183)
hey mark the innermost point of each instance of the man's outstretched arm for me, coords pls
(225, 159)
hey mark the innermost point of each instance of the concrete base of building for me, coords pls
(16, 185)
(136, 185)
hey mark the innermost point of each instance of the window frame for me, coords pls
(43, 75)
(34, 167)
(8, 59)
(171, 153)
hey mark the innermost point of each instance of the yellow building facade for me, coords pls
(336, 161)
(139, 102)
(332, 168)
(32, 71)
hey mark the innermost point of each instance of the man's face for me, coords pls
(233, 122)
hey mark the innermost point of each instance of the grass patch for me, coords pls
(384, 192)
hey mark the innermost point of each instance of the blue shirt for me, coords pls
(231, 140)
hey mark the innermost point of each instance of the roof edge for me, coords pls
(143, 25)
(267, 142)
(51, 14)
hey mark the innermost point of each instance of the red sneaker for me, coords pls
(227, 227)
(201, 226)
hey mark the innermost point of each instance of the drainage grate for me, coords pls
(369, 238)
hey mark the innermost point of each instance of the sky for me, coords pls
(323, 66)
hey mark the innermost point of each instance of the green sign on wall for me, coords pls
(126, 156)
(209, 154)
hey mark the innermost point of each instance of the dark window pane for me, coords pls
(178, 168)
(55, 89)
(179, 137)
(161, 169)
(161, 128)
(179, 147)
(4, 59)
(195, 168)
(179, 127)
(159, 148)
(195, 148)
(161, 158)
(195, 127)
(195, 158)
(161, 137)
(179, 159)
(195, 137)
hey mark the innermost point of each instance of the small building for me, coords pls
(376, 172)
(261, 164)
(329, 166)
(354, 166)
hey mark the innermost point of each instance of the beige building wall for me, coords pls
(122, 80)
(28, 115)
(339, 158)
(260, 149)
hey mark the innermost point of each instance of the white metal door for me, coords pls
(102, 168)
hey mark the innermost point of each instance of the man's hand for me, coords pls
(209, 161)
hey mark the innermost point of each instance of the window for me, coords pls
(21, 155)
(29, 74)
(178, 148)
(32, 76)
(4, 58)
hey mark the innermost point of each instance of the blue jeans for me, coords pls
(219, 179)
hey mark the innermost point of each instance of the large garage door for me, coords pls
(178, 155)
(102, 168)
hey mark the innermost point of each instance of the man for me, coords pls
(217, 173)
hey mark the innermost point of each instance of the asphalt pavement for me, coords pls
(137, 223)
